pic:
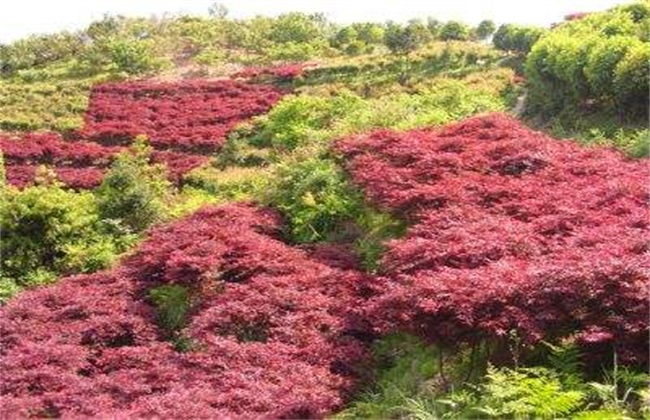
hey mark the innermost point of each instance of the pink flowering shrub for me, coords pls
(273, 330)
(511, 230)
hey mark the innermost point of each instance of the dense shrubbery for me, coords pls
(48, 231)
(309, 119)
(271, 331)
(185, 120)
(318, 202)
(602, 58)
(191, 116)
(51, 104)
(507, 226)
(415, 380)
(502, 237)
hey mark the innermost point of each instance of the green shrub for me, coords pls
(134, 192)
(49, 231)
(630, 79)
(510, 37)
(402, 367)
(603, 59)
(484, 29)
(403, 39)
(316, 198)
(133, 56)
(600, 60)
(172, 304)
(453, 30)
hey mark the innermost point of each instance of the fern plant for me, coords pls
(566, 360)
(527, 392)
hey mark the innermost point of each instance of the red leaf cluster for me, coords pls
(273, 330)
(511, 230)
(284, 73)
(192, 116)
(77, 164)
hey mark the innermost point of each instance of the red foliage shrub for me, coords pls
(184, 122)
(284, 73)
(20, 176)
(192, 116)
(51, 149)
(511, 230)
(273, 330)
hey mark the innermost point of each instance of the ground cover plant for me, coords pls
(506, 226)
(95, 344)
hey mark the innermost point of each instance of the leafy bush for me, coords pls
(263, 307)
(133, 56)
(48, 231)
(134, 192)
(510, 37)
(484, 29)
(53, 104)
(402, 367)
(599, 59)
(172, 304)
(490, 178)
(316, 199)
(403, 39)
(312, 119)
(453, 30)
(631, 76)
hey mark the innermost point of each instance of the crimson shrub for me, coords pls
(511, 231)
(273, 330)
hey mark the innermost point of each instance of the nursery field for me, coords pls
(289, 218)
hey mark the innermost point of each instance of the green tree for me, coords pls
(297, 27)
(133, 56)
(403, 39)
(370, 33)
(453, 30)
(434, 25)
(345, 36)
(517, 38)
(485, 29)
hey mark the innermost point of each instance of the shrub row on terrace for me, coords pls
(78, 164)
(512, 233)
(271, 330)
(190, 116)
(183, 122)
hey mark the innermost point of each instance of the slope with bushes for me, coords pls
(280, 223)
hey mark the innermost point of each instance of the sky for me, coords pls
(20, 18)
